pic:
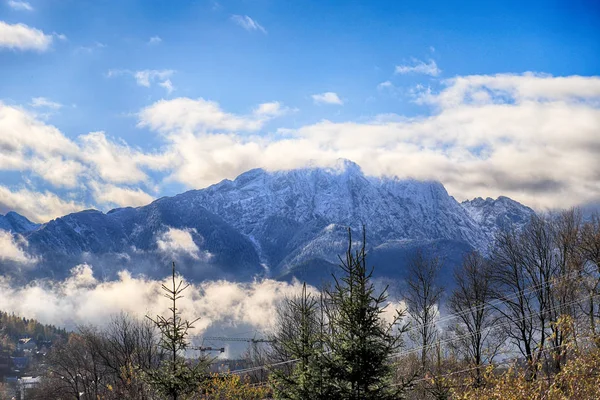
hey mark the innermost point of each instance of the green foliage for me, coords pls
(360, 342)
(342, 344)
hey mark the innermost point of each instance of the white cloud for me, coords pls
(530, 137)
(482, 89)
(200, 115)
(327, 98)
(544, 125)
(270, 110)
(42, 102)
(37, 206)
(248, 23)
(117, 162)
(119, 196)
(419, 67)
(13, 248)
(20, 5)
(42, 138)
(23, 37)
(174, 242)
(147, 77)
(82, 299)
(59, 171)
(143, 78)
(168, 85)
(29, 144)
(154, 40)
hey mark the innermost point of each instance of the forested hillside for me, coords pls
(14, 327)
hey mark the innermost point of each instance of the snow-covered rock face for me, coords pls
(279, 221)
(390, 208)
(311, 200)
(497, 214)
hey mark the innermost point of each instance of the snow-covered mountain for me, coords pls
(283, 224)
(16, 223)
(497, 214)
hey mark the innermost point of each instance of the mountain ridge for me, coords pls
(277, 223)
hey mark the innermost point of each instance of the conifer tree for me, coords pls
(176, 376)
(360, 342)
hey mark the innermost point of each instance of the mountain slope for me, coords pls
(294, 216)
(16, 223)
(129, 238)
(282, 224)
(501, 213)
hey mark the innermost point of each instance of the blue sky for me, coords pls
(404, 73)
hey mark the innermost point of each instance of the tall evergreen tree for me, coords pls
(360, 342)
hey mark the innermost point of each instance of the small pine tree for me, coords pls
(176, 376)
(360, 342)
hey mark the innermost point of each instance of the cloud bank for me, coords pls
(225, 308)
(529, 136)
(82, 299)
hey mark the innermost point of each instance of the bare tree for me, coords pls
(73, 369)
(589, 247)
(257, 355)
(513, 287)
(478, 339)
(422, 297)
(564, 290)
(125, 348)
(536, 271)
(102, 363)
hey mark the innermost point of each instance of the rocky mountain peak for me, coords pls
(277, 221)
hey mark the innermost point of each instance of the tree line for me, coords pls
(520, 321)
(13, 328)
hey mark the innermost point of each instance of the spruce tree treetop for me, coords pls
(176, 376)
(360, 341)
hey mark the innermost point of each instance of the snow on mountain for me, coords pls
(289, 214)
(389, 207)
(278, 222)
(16, 223)
(500, 213)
